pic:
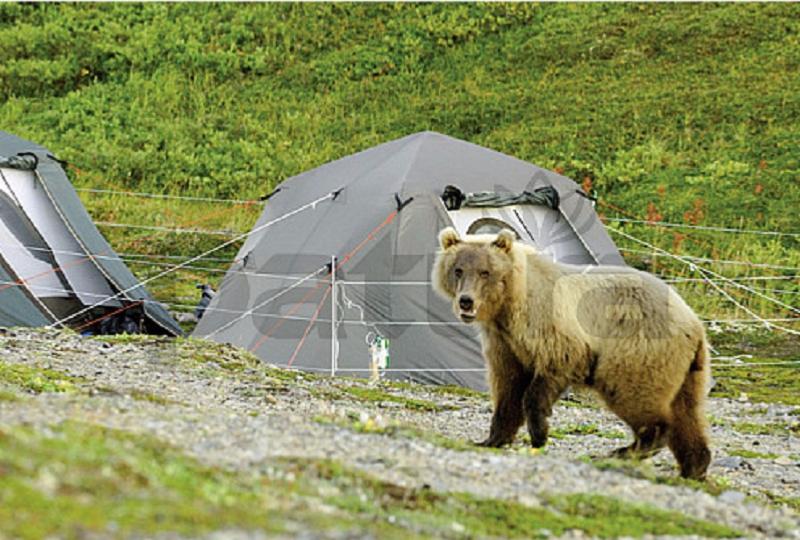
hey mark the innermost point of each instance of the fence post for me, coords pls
(333, 315)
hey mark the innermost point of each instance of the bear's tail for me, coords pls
(688, 439)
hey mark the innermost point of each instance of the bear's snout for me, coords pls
(467, 308)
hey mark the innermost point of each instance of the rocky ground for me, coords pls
(191, 439)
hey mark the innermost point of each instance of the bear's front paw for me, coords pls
(539, 442)
(538, 435)
(493, 441)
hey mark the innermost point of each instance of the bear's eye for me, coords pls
(458, 273)
(485, 274)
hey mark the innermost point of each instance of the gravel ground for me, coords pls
(245, 419)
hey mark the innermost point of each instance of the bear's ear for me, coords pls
(448, 238)
(504, 240)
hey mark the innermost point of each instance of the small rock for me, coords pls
(184, 317)
(732, 497)
(390, 405)
(729, 462)
(47, 482)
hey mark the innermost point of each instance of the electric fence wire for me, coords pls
(704, 272)
(270, 223)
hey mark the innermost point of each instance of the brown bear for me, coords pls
(546, 326)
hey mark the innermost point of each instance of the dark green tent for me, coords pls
(54, 263)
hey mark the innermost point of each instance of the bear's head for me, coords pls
(474, 272)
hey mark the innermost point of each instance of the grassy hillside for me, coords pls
(684, 113)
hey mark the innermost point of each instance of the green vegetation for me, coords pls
(770, 384)
(585, 429)
(457, 391)
(95, 480)
(396, 429)
(790, 502)
(36, 380)
(446, 390)
(8, 396)
(685, 113)
(460, 445)
(136, 339)
(141, 395)
(370, 394)
(713, 485)
(222, 355)
(89, 479)
(778, 381)
(632, 467)
(134, 393)
(743, 452)
(766, 429)
(596, 515)
(599, 516)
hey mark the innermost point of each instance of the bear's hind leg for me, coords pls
(687, 438)
(649, 439)
(647, 414)
(538, 406)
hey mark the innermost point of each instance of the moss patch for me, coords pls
(585, 429)
(742, 452)
(8, 396)
(789, 502)
(767, 429)
(644, 469)
(445, 390)
(405, 431)
(95, 480)
(89, 478)
(81, 478)
(368, 394)
(141, 395)
(36, 380)
(437, 514)
(766, 383)
(223, 355)
(138, 339)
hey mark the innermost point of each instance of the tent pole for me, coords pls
(333, 315)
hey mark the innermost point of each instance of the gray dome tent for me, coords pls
(54, 263)
(381, 226)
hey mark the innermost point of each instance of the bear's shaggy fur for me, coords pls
(546, 326)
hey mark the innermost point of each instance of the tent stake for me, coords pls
(333, 315)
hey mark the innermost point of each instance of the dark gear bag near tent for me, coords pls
(54, 263)
(379, 234)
